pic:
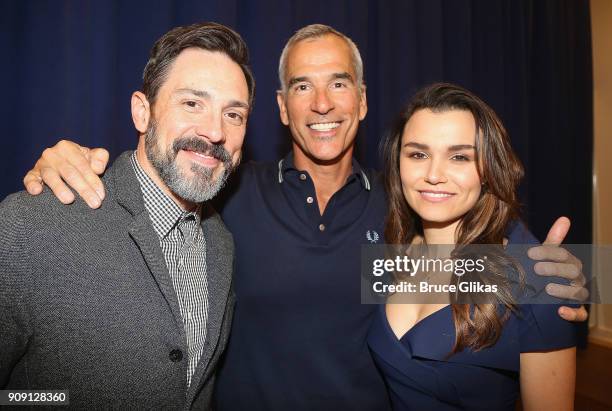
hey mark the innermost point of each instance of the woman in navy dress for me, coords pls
(451, 178)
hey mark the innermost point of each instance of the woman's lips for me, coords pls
(435, 196)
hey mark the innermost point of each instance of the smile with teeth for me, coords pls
(201, 154)
(202, 159)
(436, 194)
(324, 126)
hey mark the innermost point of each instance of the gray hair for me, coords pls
(314, 31)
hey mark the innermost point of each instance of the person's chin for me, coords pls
(436, 217)
(328, 151)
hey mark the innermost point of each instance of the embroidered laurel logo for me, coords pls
(372, 236)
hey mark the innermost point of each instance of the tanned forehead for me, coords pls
(345, 48)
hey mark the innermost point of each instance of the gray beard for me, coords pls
(197, 188)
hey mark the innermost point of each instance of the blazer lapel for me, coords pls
(144, 236)
(219, 263)
(129, 195)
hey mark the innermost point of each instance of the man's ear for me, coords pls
(282, 108)
(363, 103)
(141, 111)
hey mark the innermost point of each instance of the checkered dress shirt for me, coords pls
(184, 248)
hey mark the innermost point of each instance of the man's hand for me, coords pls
(68, 163)
(561, 263)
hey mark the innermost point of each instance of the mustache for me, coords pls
(200, 146)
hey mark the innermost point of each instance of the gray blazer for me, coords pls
(87, 303)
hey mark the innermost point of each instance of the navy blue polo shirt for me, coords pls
(298, 339)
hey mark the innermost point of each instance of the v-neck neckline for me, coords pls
(414, 326)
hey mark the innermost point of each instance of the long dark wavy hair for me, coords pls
(477, 326)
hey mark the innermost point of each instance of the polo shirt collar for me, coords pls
(165, 214)
(287, 164)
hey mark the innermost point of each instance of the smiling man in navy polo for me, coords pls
(298, 340)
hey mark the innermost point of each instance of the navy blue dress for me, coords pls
(420, 374)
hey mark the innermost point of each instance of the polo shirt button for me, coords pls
(321, 227)
(176, 355)
(303, 177)
(309, 200)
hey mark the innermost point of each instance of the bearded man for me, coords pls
(130, 305)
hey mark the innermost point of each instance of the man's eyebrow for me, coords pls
(198, 93)
(205, 95)
(344, 75)
(295, 80)
(335, 76)
(238, 104)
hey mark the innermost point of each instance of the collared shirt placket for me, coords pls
(184, 248)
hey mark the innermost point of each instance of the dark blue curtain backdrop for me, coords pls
(69, 67)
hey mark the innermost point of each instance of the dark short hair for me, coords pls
(207, 36)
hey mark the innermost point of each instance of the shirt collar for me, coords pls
(287, 164)
(164, 212)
